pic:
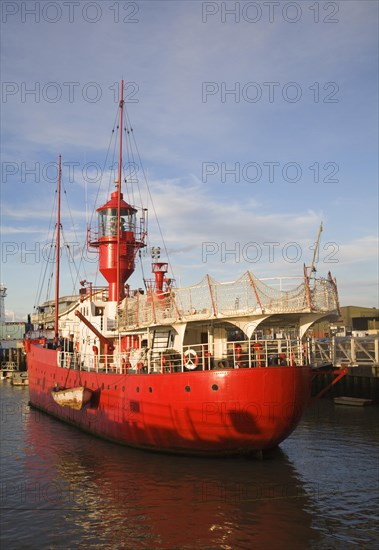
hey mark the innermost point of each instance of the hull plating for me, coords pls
(234, 411)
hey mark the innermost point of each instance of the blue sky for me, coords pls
(255, 122)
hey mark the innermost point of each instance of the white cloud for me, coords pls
(359, 250)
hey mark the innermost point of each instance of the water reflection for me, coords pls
(114, 497)
(64, 489)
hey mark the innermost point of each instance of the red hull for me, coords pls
(236, 411)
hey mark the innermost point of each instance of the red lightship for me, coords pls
(212, 369)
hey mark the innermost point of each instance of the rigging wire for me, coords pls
(47, 298)
(150, 195)
(104, 167)
(131, 164)
(111, 151)
(128, 188)
(72, 253)
(71, 260)
(45, 264)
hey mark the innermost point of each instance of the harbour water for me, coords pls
(63, 489)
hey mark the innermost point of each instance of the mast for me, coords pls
(119, 190)
(117, 237)
(57, 252)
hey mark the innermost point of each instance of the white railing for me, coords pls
(349, 350)
(220, 355)
(92, 362)
(229, 355)
(225, 354)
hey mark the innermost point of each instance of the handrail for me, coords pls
(229, 355)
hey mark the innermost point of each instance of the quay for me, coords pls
(13, 354)
(13, 364)
(360, 355)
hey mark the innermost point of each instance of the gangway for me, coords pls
(349, 350)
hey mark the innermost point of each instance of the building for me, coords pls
(353, 321)
(11, 333)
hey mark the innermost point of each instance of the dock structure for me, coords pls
(349, 350)
(360, 355)
(13, 354)
(12, 364)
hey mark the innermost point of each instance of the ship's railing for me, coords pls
(227, 354)
(95, 293)
(220, 355)
(40, 335)
(245, 297)
(237, 354)
(92, 362)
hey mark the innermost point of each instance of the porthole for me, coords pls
(214, 387)
(137, 389)
(187, 388)
(151, 390)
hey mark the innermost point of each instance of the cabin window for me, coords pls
(214, 387)
(187, 388)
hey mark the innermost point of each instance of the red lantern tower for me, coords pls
(117, 244)
(117, 239)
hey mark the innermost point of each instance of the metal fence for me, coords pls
(349, 350)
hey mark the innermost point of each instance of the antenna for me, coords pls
(312, 268)
(3, 293)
